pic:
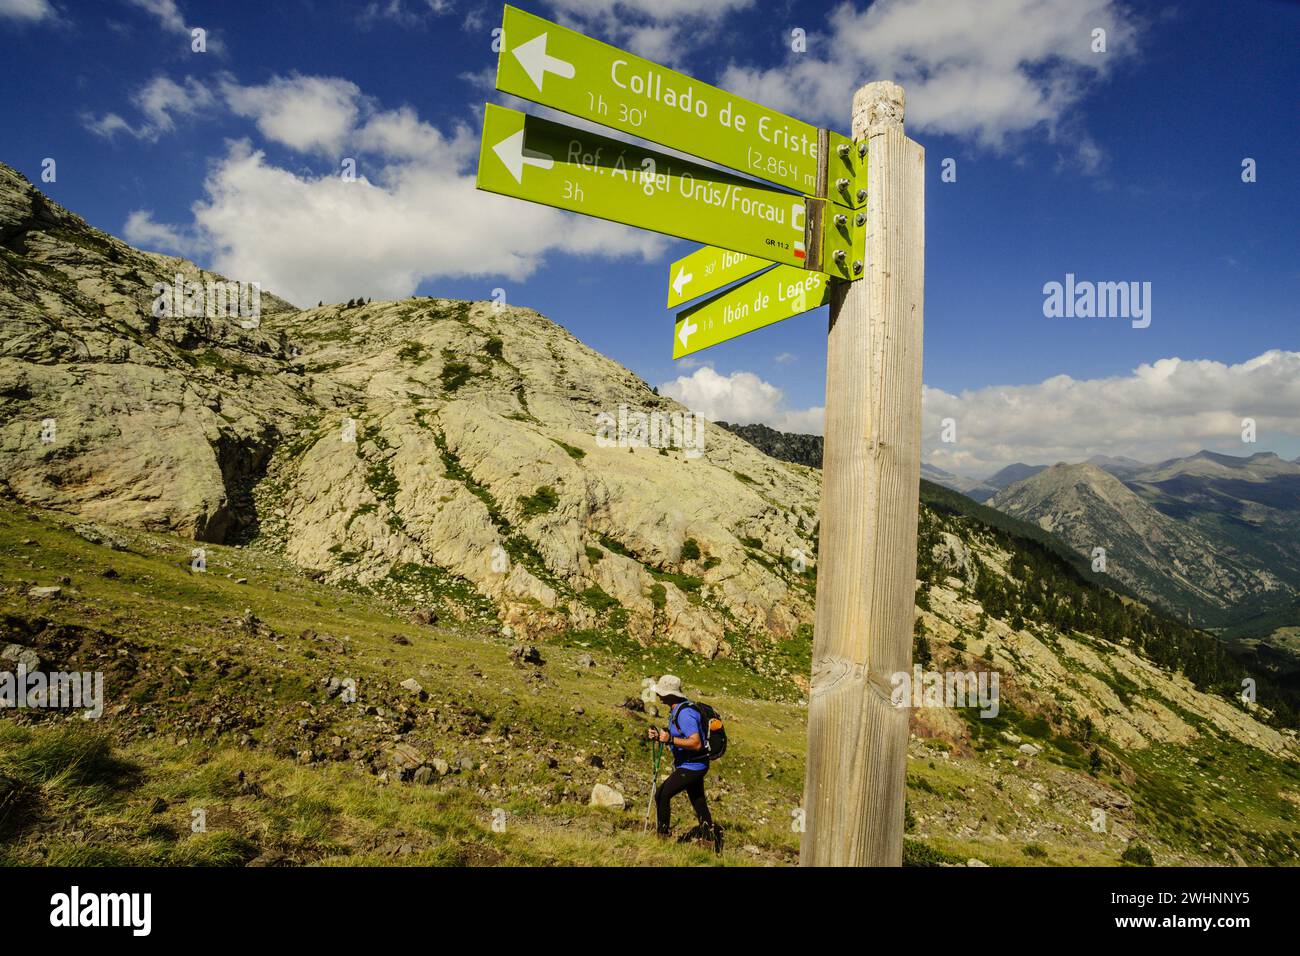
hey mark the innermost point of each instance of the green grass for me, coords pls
(411, 352)
(455, 373)
(543, 501)
(123, 790)
(596, 598)
(577, 454)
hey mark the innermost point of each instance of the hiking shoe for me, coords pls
(697, 834)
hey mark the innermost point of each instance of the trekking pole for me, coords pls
(656, 751)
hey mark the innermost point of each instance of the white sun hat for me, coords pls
(669, 686)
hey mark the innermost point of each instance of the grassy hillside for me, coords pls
(219, 699)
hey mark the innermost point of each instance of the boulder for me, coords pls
(526, 654)
(405, 757)
(16, 654)
(605, 796)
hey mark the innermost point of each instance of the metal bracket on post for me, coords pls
(823, 172)
(837, 243)
(834, 239)
(814, 228)
(834, 229)
(860, 178)
(845, 182)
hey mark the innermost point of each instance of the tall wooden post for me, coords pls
(857, 740)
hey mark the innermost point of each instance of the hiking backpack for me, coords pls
(712, 730)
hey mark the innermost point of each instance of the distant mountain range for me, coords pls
(1213, 539)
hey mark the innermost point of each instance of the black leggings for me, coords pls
(692, 781)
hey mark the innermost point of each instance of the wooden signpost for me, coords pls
(824, 231)
(854, 784)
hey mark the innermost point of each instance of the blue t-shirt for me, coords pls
(683, 721)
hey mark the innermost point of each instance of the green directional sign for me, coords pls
(708, 270)
(775, 295)
(557, 67)
(531, 158)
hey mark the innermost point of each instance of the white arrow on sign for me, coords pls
(511, 152)
(532, 56)
(683, 277)
(685, 331)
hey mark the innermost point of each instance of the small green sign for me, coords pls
(557, 67)
(531, 158)
(775, 295)
(708, 270)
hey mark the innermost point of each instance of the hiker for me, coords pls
(685, 734)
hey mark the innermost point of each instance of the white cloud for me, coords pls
(398, 12)
(660, 10)
(807, 421)
(984, 71)
(411, 214)
(659, 30)
(171, 19)
(740, 398)
(308, 238)
(161, 98)
(26, 11)
(108, 125)
(306, 113)
(166, 12)
(1165, 409)
(141, 230)
(160, 101)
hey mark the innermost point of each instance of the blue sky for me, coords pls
(1117, 166)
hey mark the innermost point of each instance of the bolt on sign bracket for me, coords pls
(843, 165)
(841, 245)
(860, 177)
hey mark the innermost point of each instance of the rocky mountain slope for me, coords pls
(396, 494)
(385, 440)
(1248, 505)
(983, 490)
(157, 421)
(1211, 537)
